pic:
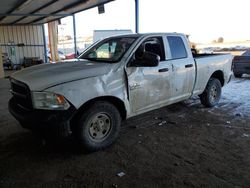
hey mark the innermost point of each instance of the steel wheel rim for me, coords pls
(99, 126)
(213, 94)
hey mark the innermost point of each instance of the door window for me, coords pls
(153, 45)
(177, 47)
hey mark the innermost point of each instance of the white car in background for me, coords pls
(208, 50)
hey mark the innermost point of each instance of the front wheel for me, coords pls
(99, 126)
(211, 96)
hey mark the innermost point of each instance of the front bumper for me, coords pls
(44, 121)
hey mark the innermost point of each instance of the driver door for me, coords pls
(149, 87)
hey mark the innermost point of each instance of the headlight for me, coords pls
(49, 101)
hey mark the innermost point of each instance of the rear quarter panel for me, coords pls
(206, 66)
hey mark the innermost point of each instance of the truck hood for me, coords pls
(44, 76)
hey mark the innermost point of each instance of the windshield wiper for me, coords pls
(90, 59)
(98, 60)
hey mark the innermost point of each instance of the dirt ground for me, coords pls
(183, 145)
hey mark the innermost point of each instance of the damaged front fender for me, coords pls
(81, 91)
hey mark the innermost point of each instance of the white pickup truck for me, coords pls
(116, 78)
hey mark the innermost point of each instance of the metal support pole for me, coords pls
(136, 16)
(44, 45)
(74, 31)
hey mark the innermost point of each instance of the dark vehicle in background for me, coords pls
(31, 61)
(241, 64)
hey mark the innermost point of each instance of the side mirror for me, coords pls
(150, 59)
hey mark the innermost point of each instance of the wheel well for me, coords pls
(220, 76)
(113, 100)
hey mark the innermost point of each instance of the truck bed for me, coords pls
(205, 55)
(206, 64)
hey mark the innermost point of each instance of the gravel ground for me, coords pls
(183, 145)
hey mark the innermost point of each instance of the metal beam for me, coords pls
(64, 8)
(19, 4)
(52, 20)
(29, 45)
(136, 16)
(71, 6)
(35, 15)
(93, 6)
(34, 11)
(20, 24)
(45, 45)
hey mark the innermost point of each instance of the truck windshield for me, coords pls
(109, 50)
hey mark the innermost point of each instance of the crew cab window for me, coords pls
(177, 47)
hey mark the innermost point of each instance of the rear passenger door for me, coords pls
(183, 67)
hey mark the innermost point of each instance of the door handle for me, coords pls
(188, 65)
(163, 70)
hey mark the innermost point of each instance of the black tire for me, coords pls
(238, 75)
(211, 96)
(98, 127)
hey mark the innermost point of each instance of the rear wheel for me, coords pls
(238, 75)
(211, 96)
(99, 126)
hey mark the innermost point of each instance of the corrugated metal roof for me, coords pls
(41, 11)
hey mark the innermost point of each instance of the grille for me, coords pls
(21, 94)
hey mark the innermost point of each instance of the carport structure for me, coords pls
(22, 23)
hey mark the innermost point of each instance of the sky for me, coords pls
(203, 20)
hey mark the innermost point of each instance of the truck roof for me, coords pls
(146, 34)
